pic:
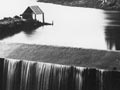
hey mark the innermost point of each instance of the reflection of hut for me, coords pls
(31, 12)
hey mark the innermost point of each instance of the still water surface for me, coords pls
(73, 26)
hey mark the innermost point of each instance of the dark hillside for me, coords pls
(100, 4)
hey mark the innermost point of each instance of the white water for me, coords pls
(40, 76)
(32, 75)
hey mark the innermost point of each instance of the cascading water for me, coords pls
(11, 75)
(32, 75)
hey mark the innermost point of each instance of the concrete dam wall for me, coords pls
(33, 75)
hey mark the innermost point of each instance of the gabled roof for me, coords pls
(35, 9)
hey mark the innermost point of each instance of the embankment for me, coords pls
(10, 26)
(101, 59)
(100, 4)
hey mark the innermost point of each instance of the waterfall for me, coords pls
(32, 75)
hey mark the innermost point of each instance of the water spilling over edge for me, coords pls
(31, 75)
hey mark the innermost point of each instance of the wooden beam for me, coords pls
(43, 18)
(35, 17)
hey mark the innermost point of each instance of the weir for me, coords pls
(32, 75)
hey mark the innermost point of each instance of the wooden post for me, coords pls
(43, 18)
(35, 17)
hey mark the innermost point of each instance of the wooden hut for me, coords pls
(31, 12)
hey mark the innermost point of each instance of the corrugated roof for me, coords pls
(36, 9)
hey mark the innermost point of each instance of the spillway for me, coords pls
(32, 75)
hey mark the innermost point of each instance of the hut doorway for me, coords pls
(34, 16)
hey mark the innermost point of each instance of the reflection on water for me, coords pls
(73, 27)
(8, 32)
(112, 30)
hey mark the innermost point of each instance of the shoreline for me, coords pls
(12, 25)
(97, 4)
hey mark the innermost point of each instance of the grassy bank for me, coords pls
(100, 4)
(13, 25)
(62, 55)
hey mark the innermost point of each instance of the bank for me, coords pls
(98, 4)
